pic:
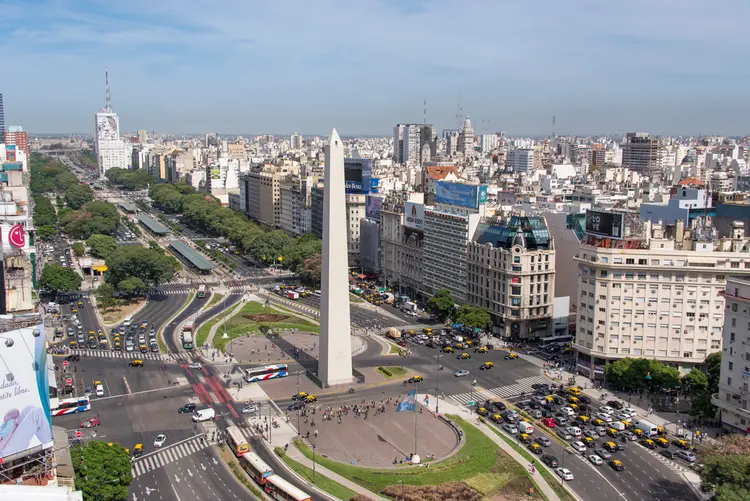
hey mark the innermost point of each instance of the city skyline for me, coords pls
(279, 68)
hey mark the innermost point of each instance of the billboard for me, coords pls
(14, 235)
(10, 152)
(358, 176)
(373, 206)
(414, 216)
(24, 393)
(604, 224)
(462, 195)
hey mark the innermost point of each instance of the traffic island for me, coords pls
(315, 478)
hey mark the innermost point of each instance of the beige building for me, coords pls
(237, 151)
(734, 383)
(295, 205)
(260, 192)
(401, 248)
(654, 294)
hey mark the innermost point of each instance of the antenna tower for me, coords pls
(424, 116)
(107, 101)
(554, 121)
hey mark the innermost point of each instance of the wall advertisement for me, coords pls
(10, 152)
(24, 394)
(414, 216)
(459, 194)
(604, 224)
(373, 206)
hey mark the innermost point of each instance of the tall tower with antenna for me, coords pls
(107, 99)
(554, 121)
(110, 150)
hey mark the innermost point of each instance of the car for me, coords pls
(463, 356)
(564, 473)
(605, 417)
(607, 410)
(543, 441)
(310, 399)
(497, 405)
(569, 411)
(601, 430)
(561, 420)
(602, 453)
(510, 428)
(535, 448)
(195, 365)
(486, 366)
(615, 404)
(90, 423)
(160, 439)
(579, 446)
(564, 435)
(595, 460)
(630, 412)
(448, 349)
(496, 418)
(296, 406)
(589, 432)
(629, 436)
(662, 442)
(249, 409)
(550, 460)
(299, 396)
(549, 423)
(415, 379)
(648, 443)
(187, 408)
(481, 349)
(137, 362)
(668, 454)
(611, 446)
(574, 430)
(154, 348)
(617, 465)
(681, 444)
(461, 373)
(688, 456)
(624, 418)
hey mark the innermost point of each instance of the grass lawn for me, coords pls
(200, 338)
(392, 372)
(355, 299)
(331, 487)
(250, 319)
(479, 463)
(215, 298)
(394, 349)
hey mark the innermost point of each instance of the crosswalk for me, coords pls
(512, 390)
(168, 455)
(120, 354)
(234, 290)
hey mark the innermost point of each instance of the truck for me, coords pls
(409, 307)
(647, 427)
(393, 333)
(292, 295)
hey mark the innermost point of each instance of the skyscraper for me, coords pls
(110, 150)
(642, 154)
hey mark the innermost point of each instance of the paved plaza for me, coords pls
(291, 347)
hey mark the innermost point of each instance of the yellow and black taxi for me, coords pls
(681, 444)
(660, 431)
(486, 366)
(480, 349)
(588, 442)
(74, 310)
(310, 399)
(599, 422)
(468, 343)
(416, 379)
(496, 418)
(648, 443)
(524, 438)
(117, 346)
(427, 330)
(482, 411)
(80, 304)
(73, 344)
(463, 356)
(574, 391)
(136, 362)
(574, 407)
(448, 349)
(572, 399)
(610, 446)
(612, 432)
(638, 432)
(584, 420)
(459, 346)
(137, 450)
(662, 442)
(511, 356)
(535, 448)
(300, 396)
(617, 465)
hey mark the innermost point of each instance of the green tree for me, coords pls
(701, 406)
(713, 370)
(101, 246)
(102, 473)
(131, 286)
(46, 232)
(59, 279)
(694, 382)
(441, 304)
(154, 245)
(78, 195)
(105, 296)
(312, 267)
(150, 266)
(79, 249)
(726, 468)
(473, 316)
(44, 212)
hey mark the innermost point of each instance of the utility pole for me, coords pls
(437, 389)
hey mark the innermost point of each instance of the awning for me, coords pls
(101, 268)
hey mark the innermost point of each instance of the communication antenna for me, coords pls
(424, 117)
(107, 100)
(554, 121)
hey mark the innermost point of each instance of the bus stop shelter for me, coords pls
(152, 225)
(191, 257)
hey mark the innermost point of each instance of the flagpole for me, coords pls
(416, 393)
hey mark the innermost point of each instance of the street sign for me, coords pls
(79, 434)
(65, 363)
(470, 402)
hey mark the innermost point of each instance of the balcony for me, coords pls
(722, 404)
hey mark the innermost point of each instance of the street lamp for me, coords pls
(313, 447)
(437, 389)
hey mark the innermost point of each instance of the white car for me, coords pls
(630, 412)
(604, 417)
(595, 460)
(624, 417)
(607, 409)
(461, 373)
(579, 446)
(569, 411)
(195, 365)
(564, 473)
(574, 430)
(160, 439)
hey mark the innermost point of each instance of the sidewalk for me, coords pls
(222, 320)
(447, 407)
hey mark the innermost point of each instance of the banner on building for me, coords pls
(373, 206)
(463, 195)
(414, 216)
(17, 236)
(10, 152)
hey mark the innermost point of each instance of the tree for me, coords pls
(101, 246)
(103, 473)
(473, 316)
(131, 286)
(441, 304)
(702, 407)
(150, 266)
(79, 249)
(59, 279)
(713, 370)
(46, 232)
(105, 296)
(638, 373)
(694, 382)
(726, 468)
(78, 195)
(311, 268)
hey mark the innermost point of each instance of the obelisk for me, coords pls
(335, 354)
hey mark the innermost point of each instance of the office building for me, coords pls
(110, 150)
(511, 272)
(295, 199)
(414, 143)
(466, 139)
(401, 242)
(642, 154)
(734, 382)
(520, 160)
(142, 136)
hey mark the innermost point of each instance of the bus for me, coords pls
(255, 467)
(264, 373)
(187, 335)
(555, 340)
(71, 406)
(201, 291)
(237, 441)
(281, 490)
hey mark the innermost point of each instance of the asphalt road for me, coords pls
(170, 334)
(276, 465)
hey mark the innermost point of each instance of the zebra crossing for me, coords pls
(522, 385)
(168, 455)
(120, 354)
(234, 290)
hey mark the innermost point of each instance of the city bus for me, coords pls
(237, 441)
(187, 335)
(255, 467)
(555, 340)
(281, 490)
(201, 291)
(264, 373)
(71, 406)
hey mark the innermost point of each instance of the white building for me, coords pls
(489, 142)
(521, 160)
(110, 150)
(734, 383)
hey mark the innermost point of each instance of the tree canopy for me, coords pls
(726, 468)
(150, 266)
(701, 388)
(131, 286)
(637, 373)
(473, 316)
(441, 304)
(78, 195)
(49, 175)
(44, 212)
(79, 249)
(129, 179)
(96, 217)
(59, 279)
(103, 473)
(101, 246)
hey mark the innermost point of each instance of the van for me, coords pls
(525, 427)
(617, 425)
(127, 322)
(204, 415)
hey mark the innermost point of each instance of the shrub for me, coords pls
(385, 371)
(457, 491)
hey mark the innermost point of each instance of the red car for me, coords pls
(91, 423)
(548, 422)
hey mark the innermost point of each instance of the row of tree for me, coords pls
(443, 306)
(94, 217)
(49, 175)
(726, 468)
(206, 214)
(45, 217)
(129, 179)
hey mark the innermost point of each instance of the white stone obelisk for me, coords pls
(335, 354)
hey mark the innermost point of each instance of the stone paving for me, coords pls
(299, 347)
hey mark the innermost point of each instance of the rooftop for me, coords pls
(534, 234)
(128, 207)
(153, 225)
(191, 255)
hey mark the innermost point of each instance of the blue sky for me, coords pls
(246, 66)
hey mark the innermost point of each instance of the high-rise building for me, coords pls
(295, 141)
(520, 160)
(466, 139)
(14, 134)
(110, 150)
(642, 154)
(2, 116)
(412, 143)
(142, 136)
(402, 235)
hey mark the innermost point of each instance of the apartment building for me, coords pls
(734, 384)
(642, 154)
(401, 243)
(650, 290)
(511, 272)
(295, 199)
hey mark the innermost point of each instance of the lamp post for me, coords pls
(313, 447)
(437, 389)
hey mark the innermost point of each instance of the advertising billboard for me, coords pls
(462, 195)
(414, 216)
(358, 176)
(14, 235)
(604, 224)
(373, 206)
(10, 152)
(24, 393)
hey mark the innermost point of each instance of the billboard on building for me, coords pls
(14, 235)
(24, 393)
(358, 176)
(604, 224)
(462, 195)
(10, 152)
(373, 206)
(414, 216)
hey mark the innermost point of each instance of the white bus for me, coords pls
(237, 441)
(71, 406)
(264, 373)
(555, 340)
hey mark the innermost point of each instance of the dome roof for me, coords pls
(519, 239)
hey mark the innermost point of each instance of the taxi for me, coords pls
(416, 379)
(496, 418)
(535, 448)
(310, 399)
(459, 346)
(549, 399)
(524, 438)
(572, 399)
(574, 407)
(617, 465)
(137, 362)
(74, 310)
(574, 391)
(73, 344)
(682, 444)
(639, 433)
(427, 330)
(588, 441)
(599, 422)
(486, 366)
(117, 346)
(610, 446)
(628, 425)
(468, 343)
(660, 431)
(463, 356)
(511, 356)
(648, 443)
(584, 420)
(662, 442)
(137, 450)
(612, 432)
(448, 349)
(481, 349)
(482, 411)
(80, 304)
(299, 396)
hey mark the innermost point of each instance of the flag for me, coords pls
(409, 403)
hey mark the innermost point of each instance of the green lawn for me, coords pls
(479, 463)
(215, 298)
(331, 487)
(392, 372)
(241, 326)
(394, 349)
(355, 299)
(203, 331)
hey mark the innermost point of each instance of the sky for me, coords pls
(276, 67)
